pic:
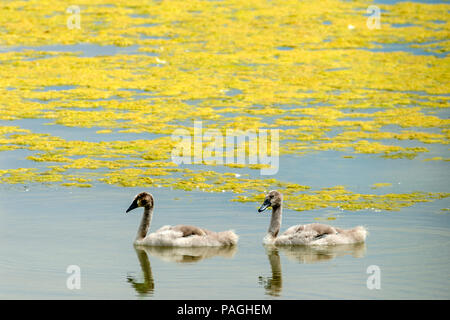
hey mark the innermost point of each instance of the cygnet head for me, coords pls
(143, 199)
(272, 199)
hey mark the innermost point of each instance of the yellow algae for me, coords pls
(11, 129)
(381, 185)
(233, 65)
(29, 175)
(437, 159)
(14, 176)
(103, 131)
(78, 179)
(75, 184)
(340, 197)
(88, 163)
(49, 158)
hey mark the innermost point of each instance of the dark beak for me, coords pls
(133, 205)
(264, 206)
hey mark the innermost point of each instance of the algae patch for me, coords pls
(232, 65)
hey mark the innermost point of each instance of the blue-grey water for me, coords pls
(45, 229)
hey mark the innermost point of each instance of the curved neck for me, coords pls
(275, 221)
(145, 223)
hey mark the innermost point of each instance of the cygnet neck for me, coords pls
(275, 221)
(145, 222)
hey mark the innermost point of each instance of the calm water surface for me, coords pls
(46, 229)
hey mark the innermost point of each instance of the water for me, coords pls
(84, 49)
(89, 228)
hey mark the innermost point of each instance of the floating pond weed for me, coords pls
(232, 65)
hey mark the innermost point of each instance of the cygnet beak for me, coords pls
(133, 205)
(264, 206)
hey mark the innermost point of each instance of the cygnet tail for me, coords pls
(358, 234)
(227, 238)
